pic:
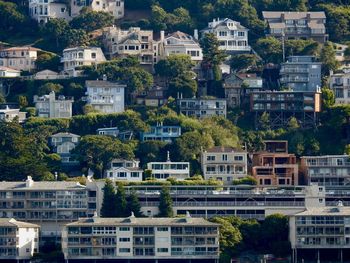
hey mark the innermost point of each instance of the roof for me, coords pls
(9, 69)
(21, 48)
(223, 22)
(326, 156)
(223, 149)
(293, 15)
(103, 84)
(143, 221)
(81, 48)
(64, 134)
(326, 211)
(10, 222)
(44, 185)
(47, 71)
(181, 35)
(108, 129)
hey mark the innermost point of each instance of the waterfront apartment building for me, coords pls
(232, 36)
(327, 170)
(124, 170)
(11, 111)
(19, 58)
(224, 164)
(18, 240)
(274, 165)
(339, 82)
(321, 233)
(134, 239)
(105, 96)
(50, 106)
(283, 105)
(301, 73)
(44, 10)
(202, 107)
(296, 25)
(161, 133)
(63, 143)
(114, 7)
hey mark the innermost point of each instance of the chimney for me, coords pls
(195, 35)
(104, 77)
(162, 35)
(29, 181)
(168, 156)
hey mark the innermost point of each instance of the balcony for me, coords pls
(295, 79)
(294, 70)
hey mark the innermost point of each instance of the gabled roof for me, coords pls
(9, 69)
(11, 222)
(224, 22)
(103, 84)
(25, 48)
(64, 134)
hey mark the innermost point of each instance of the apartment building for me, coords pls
(135, 239)
(124, 170)
(76, 57)
(301, 73)
(154, 97)
(233, 37)
(274, 165)
(49, 204)
(18, 240)
(180, 43)
(105, 96)
(238, 87)
(131, 42)
(321, 233)
(297, 25)
(50, 106)
(161, 133)
(63, 143)
(19, 58)
(114, 7)
(339, 82)
(44, 10)
(202, 107)
(327, 170)
(224, 164)
(6, 72)
(11, 111)
(283, 105)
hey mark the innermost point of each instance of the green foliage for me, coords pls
(211, 52)
(90, 20)
(264, 121)
(249, 180)
(22, 101)
(134, 204)
(47, 61)
(243, 61)
(328, 98)
(121, 202)
(328, 59)
(173, 66)
(270, 49)
(109, 204)
(48, 87)
(165, 203)
(183, 84)
(293, 124)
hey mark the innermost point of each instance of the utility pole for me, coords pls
(283, 46)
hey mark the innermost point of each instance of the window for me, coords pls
(162, 229)
(239, 158)
(162, 250)
(124, 239)
(224, 157)
(223, 33)
(124, 250)
(124, 229)
(211, 158)
(93, 55)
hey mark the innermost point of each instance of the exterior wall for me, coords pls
(10, 114)
(48, 106)
(161, 133)
(202, 108)
(340, 84)
(19, 58)
(63, 145)
(9, 73)
(28, 242)
(114, 7)
(44, 10)
(164, 170)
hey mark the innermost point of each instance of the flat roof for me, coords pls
(11, 222)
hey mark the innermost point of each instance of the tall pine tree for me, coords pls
(134, 204)
(165, 203)
(121, 203)
(109, 207)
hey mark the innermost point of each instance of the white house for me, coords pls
(114, 7)
(6, 72)
(63, 143)
(233, 37)
(105, 96)
(81, 56)
(9, 111)
(43, 10)
(19, 240)
(50, 106)
(19, 58)
(340, 84)
(180, 43)
(124, 170)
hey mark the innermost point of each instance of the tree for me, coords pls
(75, 37)
(47, 61)
(90, 20)
(22, 101)
(109, 204)
(243, 62)
(165, 203)
(328, 98)
(49, 87)
(270, 49)
(183, 84)
(134, 204)
(211, 53)
(55, 28)
(264, 121)
(327, 57)
(293, 124)
(121, 203)
(173, 66)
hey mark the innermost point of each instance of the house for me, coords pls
(156, 96)
(238, 87)
(224, 164)
(48, 74)
(124, 170)
(19, 240)
(105, 96)
(50, 106)
(113, 131)
(180, 43)
(138, 239)
(114, 7)
(63, 143)
(81, 56)
(326, 170)
(339, 82)
(202, 107)
(274, 166)
(283, 105)
(43, 11)
(19, 58)
(6, 72)
(10, 111)
(321, 233)
(232, 36)
(296, 25)
(131, 42)
(301, 73)
(161, 133)
(341, 56)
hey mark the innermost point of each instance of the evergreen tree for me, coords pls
(328, 59)
(134, 204)
(165, 203)
(121, 203)
(109, 207)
